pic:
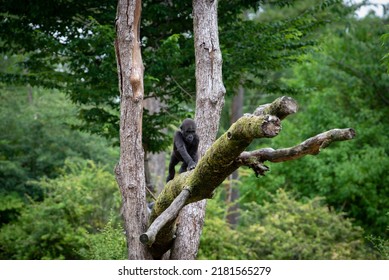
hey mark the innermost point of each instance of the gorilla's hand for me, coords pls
(191, 166)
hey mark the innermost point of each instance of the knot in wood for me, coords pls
(271, 126)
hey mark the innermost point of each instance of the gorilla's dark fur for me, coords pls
(185, 145)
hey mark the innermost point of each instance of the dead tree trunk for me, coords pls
(130, 169)
(209, 103)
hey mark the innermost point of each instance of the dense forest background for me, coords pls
(59, 127)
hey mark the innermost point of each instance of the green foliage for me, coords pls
(73, 51)
(37, 138)
(36, 143)
(347, 90)
(288, 229)
(75, 204)
(218, 240)
(283, 228)
(381, 245)
(258, 46)
(109, 244)
(10, 206)
(385, 42)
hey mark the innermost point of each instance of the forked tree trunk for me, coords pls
(130, 169)
(210, 100)
(209, 103)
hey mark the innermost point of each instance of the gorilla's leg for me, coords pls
(173, 162)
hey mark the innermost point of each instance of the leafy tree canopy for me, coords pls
(69, 45)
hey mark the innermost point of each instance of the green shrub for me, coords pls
(75, 204)
(109, 244)
(289, 229)
(218, 240)
(283, 228)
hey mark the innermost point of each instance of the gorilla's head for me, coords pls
(188, 129)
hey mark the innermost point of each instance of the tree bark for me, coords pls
(209, 103)
(130, 169)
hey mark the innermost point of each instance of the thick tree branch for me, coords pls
(281, 107)
(211, 171)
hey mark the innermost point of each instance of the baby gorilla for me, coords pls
(185, 145)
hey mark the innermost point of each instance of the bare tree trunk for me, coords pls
(233, 192)
(209, 103)
(130, 169)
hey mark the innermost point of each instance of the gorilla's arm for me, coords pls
(193, 152)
